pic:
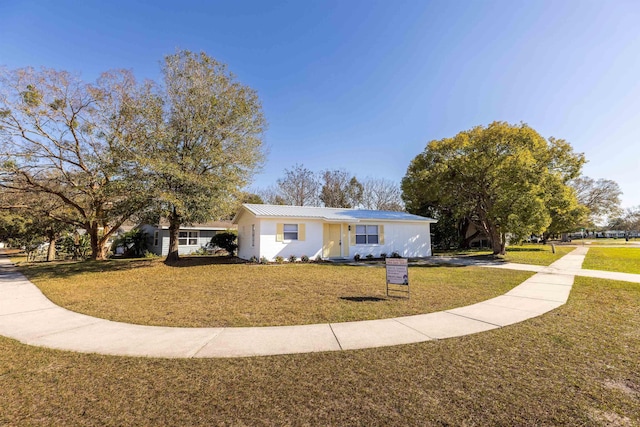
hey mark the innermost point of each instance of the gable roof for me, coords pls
(328, 214)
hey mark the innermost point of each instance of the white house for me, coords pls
(331, 233)
(190, 237)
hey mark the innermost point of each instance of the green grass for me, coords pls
(625, 260)
(621, 241)
(197, 294)
(521, 254)
(574, 366)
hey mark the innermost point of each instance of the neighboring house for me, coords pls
(191, 238)
(476, 237)
(330, 233)
(124, 228)
(618, 234)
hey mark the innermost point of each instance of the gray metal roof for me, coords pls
(329, 214)
(209, 225)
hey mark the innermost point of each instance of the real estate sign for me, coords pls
(397, 271)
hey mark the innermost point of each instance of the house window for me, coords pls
(253, 234)
(366, 234)
(290, 231)
(156, 238)
(188, 238)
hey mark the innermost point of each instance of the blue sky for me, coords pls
(364, 85)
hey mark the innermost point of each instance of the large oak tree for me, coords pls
(57, 138)
(198, 142)
(505, 178)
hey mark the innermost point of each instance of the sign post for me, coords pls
(398, 274)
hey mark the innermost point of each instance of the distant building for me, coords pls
(191, 238)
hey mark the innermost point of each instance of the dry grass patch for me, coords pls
(625, 260)
(556, 369)
(151, 293)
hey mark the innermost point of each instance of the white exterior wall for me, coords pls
(311, 246)
(411, 239)
(245, 249)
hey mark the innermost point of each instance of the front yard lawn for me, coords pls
(521, 254)
(609, 241)
(192, 295)
(577, 365)
(625, 260)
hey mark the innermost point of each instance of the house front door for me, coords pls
(331, 246)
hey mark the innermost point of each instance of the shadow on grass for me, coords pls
(527, 249)
(187, 261)
(437, 265)
(363, 299)
(64, 269)
(489, 257)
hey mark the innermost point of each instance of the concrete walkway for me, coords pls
(28, 316)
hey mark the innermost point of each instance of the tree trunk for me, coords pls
(98, 245)
(496, 243)
(51, 252)
(102, 250)
(95, 243)
(174, 231)
(466, 241)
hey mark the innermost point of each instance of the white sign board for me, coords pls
(397, 271)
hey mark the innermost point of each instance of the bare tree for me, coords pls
(382, 194)
(601, 197)
(632, 218)
(339, 190)
(299, 187)
(270, 195)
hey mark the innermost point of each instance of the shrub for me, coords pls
(225, 240)
(395, 254)
(253, 259)
(264, 260)
(279, 259)
(77, 249)
(356, 257)
(383, 255)
(292, 258)
(149, 255)
(318, 259)
(200, 251)
(133, 243)
(304, 258)
(370, 256)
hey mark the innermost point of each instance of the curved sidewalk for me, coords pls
(28, 316)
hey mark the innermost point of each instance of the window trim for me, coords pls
(189, 238)
(285, 232)
(366, 234)
(253, 235)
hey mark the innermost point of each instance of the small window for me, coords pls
(188, 238)
(156, 239)
(366, 234)
(253, 234)
(290, 231)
